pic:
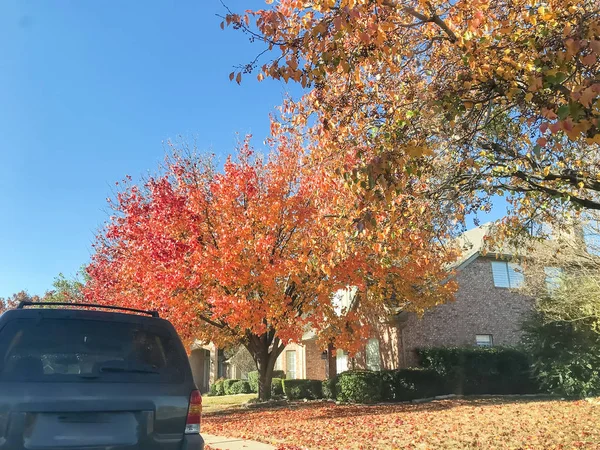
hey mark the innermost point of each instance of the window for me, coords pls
(290, 364)
(65, 350)
(553, 275)
(341, 361)
(507, 275)
(483, 340)
(372, 355)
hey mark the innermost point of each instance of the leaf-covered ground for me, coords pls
(490, 423)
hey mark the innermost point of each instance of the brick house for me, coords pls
(486, 311)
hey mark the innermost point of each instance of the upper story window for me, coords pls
(373, 357)
(483, 340)
(507, 275)
(553, 275)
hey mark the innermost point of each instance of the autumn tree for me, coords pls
(481, 98)
(67, 290)
(252, 254)
(14, 300)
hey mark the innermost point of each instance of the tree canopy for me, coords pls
(480, 98)
(252, 255)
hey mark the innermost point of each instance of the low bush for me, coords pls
(329, 388)
(227, 384)
(480, 370)
(240, 387)
(566, 357)
(413, 383)
(277, 387)
(217, 387)
(253, 378)
(359, 387)
(299, 389)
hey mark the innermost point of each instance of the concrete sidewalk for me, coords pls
(226, 443)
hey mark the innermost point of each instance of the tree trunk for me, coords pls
(265, 350)
(265, 376)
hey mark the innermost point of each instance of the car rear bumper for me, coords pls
(193, 442)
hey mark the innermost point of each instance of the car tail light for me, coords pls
(192, 424)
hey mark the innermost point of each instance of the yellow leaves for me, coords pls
(545, 13)
(535, 84)
(529, 96)
(415, 150)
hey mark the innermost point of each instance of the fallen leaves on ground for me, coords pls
(490, 423)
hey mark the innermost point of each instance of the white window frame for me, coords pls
(341, 361)
(487, 341)
(290, 372)
(374, 352)
(513, 273)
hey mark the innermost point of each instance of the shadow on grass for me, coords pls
(329, 410)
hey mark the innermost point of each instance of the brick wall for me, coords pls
(479, 308)
(316, 366)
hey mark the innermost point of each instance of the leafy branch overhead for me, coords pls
(481, 98)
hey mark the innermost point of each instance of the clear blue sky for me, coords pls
(89, 92)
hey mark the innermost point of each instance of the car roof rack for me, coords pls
(23, 304)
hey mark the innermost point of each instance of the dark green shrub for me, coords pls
(566, 357)
(299, 389)
(277, 387)
(279, 374)
(329, 388)
(227, 384)
(240, 387)
(413, 383)
(212, 390)
(253, 378)
(359, 387)
(218, 387)
(480, 370)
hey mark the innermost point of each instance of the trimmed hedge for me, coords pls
(299, 389)
(240, 387)
(228, 384)
(360, 387)
(277, 387)
(253, 378)
(329, 388)
(413, 383)
(481, 370)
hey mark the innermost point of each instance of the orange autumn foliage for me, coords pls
(480, 98)
(252, 255)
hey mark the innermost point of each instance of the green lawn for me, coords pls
(223, 402)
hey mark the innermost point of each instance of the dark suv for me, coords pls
(77, 378)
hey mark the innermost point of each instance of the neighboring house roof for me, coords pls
(472, 244)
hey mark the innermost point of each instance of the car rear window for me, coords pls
(64, 350)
